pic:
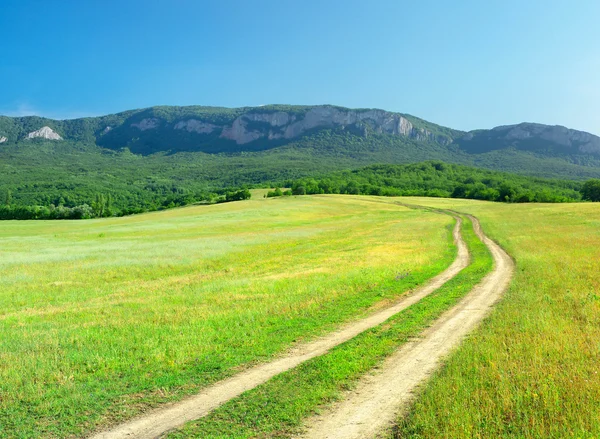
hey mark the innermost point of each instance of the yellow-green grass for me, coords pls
(279, 408)
(100, 319)
(533, 369)
(259, 193)
(262, 192)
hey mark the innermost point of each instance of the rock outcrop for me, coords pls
(44, 133)
(214, 130)
(147, 124)
(564, 137)
(195, 126)
(280, 125)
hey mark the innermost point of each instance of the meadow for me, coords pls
(281, 407)
(101, 319)
(532, 369)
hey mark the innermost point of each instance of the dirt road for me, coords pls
(380, 398)
(155, 423)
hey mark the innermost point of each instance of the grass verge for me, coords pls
(531, 370)
(278, 408)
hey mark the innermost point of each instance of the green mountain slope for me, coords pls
(216, 130)
(144, 157)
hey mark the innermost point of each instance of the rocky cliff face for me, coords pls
(195, 126)
(202, 129)
(285, 126)
(257, 125)
(532, 137)
(146, 124)
(44, 133)
(558, 135)
(216, 130)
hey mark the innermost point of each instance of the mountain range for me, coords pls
(225, 130)
(206, 148)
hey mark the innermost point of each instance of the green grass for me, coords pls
(278, 408)
(532, 369)
(102, 319)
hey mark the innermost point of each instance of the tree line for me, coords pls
(431, 179)
(438, 179)
(101, 206)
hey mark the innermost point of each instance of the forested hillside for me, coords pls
(358, 135)
(168, 156)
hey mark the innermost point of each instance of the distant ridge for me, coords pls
(213, 129)
(232, 146)
(532, 137)
(218, 130)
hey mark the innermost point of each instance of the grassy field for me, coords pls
(280, 407)
(100, 319)
(533, 369)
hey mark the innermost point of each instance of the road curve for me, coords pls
(379, 399)
(155, 423)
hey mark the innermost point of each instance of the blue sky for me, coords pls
(465, 64)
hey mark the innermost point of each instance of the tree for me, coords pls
(352, 188)
(82, 212)
(507, 192)
(591, 190)
(8, 198)
(459, 191)
(299, 190)
(276, 193)
(99, 205)
(243, 194)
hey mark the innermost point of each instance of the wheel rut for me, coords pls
(157, 422)
(380, 398)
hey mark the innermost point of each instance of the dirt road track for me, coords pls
(380, 398)
(157, 422)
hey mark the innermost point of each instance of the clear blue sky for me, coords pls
(466, 64)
